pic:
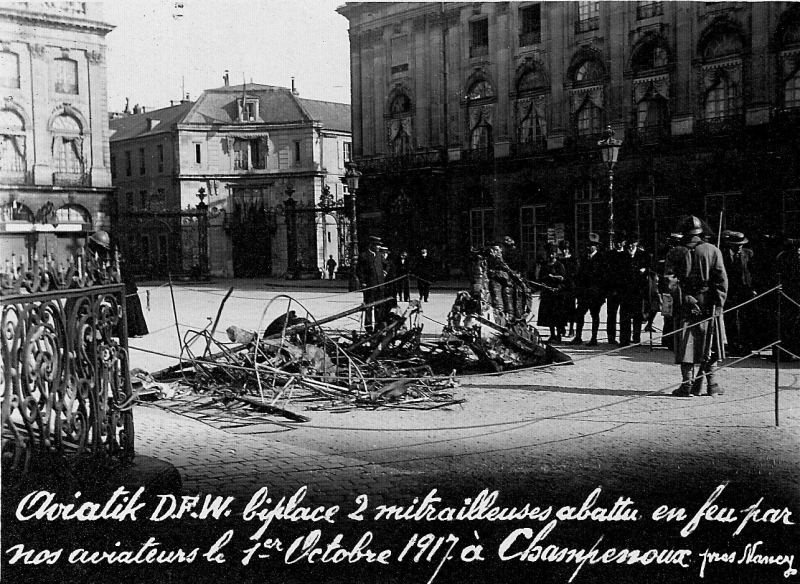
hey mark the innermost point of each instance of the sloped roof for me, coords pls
(277, 105)
(136, 125)
(334, 116)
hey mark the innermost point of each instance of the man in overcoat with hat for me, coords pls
(699, 285)
(370, 274)
(738, 260)
(589, 290)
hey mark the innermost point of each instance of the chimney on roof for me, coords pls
(185, 98)
(294, 90)
(137, 109)
(226, 78)
(171, 102)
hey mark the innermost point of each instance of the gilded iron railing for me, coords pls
(65, 380)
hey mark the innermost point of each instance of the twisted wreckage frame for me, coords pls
(302, 361)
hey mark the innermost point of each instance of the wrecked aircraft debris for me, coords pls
(301, 360)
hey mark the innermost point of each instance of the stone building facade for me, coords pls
(55, 184)
(269, 164)
(472, 121)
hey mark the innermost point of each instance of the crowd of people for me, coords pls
(691, 282)
(383, 274)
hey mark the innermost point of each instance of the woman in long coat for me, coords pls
(551, 304)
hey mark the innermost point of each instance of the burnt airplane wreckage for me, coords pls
(304, 361)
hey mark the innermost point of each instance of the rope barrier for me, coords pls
(790, 299)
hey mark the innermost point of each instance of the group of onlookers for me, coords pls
(383, 275)
(631, 283)
(573, 287)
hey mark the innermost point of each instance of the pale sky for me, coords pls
(267, 41)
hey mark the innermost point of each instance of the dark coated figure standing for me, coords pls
(423, 268)
(589, 290)
(699, 285)
(370, 273)
(738, 261)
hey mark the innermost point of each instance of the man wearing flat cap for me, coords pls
(370, 274)
(738, 260)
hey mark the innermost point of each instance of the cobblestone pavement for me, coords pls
(545, 437)
(608, 419)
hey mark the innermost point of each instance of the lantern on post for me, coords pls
(610, 151)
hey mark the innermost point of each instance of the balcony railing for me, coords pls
(530, 38)
(649, 10)
(720, 126)
(397, 163)
(587, 24)
(478, 51)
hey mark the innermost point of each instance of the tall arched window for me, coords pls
(589, 119)
(400, 125)
(67, 147)
(12, 148)
(791, 90)
(789, 38)
(720, 99)
(481, 138)
(531, 108)
(721, 48)
(651, 115)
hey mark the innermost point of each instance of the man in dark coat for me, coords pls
(423, 268)
(331, 266)
(402, 269)
(589, 290)
(738, 261)
(632, 292)
(614, 266)
(699, 286)
(370, 273)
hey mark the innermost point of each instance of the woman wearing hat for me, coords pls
(551, 305)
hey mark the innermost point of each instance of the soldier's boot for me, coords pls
(687, 375)
(697, 383)
(713, 386)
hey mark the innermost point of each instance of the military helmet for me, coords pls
(101, 238)
(691, 225)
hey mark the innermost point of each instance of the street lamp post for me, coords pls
(610, 150)
(351, 178)
(202, 233)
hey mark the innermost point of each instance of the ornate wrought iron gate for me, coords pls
(65, 381)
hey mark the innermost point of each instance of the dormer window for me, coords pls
(248, 109)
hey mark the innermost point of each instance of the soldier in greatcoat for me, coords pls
(699, 285)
